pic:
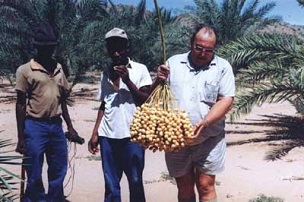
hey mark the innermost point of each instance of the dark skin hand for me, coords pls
(122, 72)
(139, 95)
(93, 142)
(93, 145)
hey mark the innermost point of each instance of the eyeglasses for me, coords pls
(201, 49)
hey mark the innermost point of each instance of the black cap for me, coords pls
(44, 34)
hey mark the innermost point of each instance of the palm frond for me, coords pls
(261, 47)
(8, 179)
(232, 18)
(258, 72)
(271, 91)
(301, 3)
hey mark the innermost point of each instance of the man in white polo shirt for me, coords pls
(125, 84)
(204, 87)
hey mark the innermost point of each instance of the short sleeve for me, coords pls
(145, 78)
(64, 82)
(100, 95)
(227, 82)
(21, 79)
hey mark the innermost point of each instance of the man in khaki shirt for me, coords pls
(42, 89)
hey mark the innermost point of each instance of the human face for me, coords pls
(118, 51)
(45, 51)
(202, 49)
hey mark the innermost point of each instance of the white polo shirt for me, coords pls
(120, 106)
(197, 91)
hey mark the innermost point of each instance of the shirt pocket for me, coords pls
(210, 92)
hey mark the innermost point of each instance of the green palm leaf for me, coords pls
(232, 18)
(8, 179)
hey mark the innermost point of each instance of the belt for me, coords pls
(54, 119)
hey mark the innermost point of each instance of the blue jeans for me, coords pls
(122, 156)
(44, 138)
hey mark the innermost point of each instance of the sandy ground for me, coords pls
(247, 173)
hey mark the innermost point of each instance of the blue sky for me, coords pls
(289, 10)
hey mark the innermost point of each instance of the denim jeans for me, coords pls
(122, 156)
(45, 139)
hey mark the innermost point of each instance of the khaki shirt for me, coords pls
(44, 91)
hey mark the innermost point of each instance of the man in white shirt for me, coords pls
(203, 84)
(124, 85)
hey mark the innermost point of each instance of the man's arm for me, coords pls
(20, 117)
(217, 112)
(72, 134)
(67, 119)
(93, 143)
(139, 95)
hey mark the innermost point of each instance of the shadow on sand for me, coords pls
(276, 127)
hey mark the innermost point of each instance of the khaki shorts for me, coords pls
(208, 157)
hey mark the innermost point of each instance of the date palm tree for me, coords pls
(301, 3)
(69, 18)
(143, 31)
(81, 26)
(15, 23)
(232, 18)
(269, 68)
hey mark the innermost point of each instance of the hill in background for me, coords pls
(285, 28)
